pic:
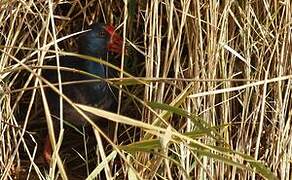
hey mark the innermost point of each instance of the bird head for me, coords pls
(99, 40)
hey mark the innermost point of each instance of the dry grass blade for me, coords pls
(203, 90)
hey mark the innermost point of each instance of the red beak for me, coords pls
(116, 42)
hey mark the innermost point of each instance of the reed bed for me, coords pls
(204, 92)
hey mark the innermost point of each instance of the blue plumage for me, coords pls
(97, 42)
(94, 42)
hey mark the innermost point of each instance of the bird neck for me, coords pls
(95, 68)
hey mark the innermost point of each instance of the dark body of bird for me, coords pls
(97, 42)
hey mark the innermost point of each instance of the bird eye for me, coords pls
(101, 34)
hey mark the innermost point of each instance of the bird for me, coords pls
(99, 41)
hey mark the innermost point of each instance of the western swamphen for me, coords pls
(97, 42)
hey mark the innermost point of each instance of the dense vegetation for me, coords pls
(204, 92)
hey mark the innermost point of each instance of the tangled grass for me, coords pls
(205, 95)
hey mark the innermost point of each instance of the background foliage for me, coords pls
(205, 92)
